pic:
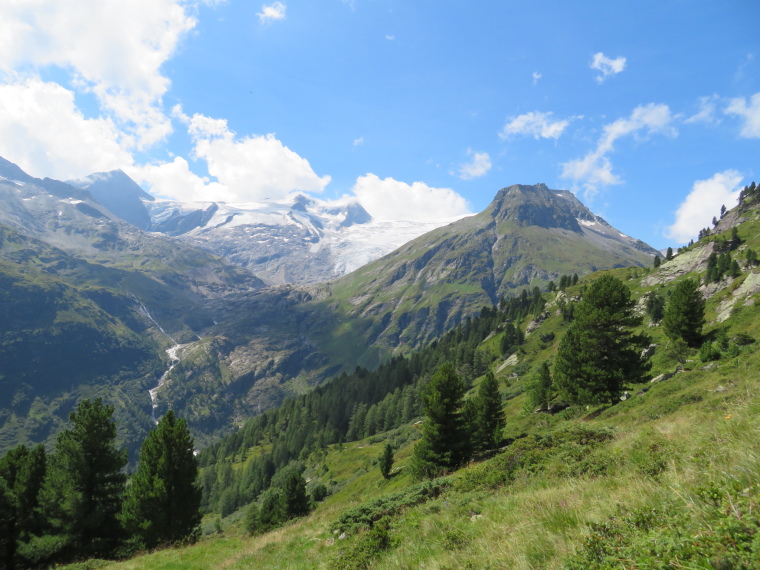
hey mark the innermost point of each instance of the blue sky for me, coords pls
(648, 111)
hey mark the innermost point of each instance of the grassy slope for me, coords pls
(696, 429)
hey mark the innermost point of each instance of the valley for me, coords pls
(314, 381)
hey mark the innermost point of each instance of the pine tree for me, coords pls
(540, 389)
(685, 313)
(657, 261)
(386, 461)
(162, 502)
(655, 306)
(445, 442)
(598, 354)
(82, 492)
(295, 500)
(489, 415)
(669, 254)
(21, 475)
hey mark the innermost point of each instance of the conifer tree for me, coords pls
(21, 475)
(541, 390)
(598, 354)
(162, 502)
(669, 254)
(445, 442)
(657, 261)
(295, 500)
(386, 461)
(82, 492)
(685, 313)
(489, 415)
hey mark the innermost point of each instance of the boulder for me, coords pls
(661, 377)
(648, 351)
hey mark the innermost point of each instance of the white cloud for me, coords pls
(175, 180)
(272, 12)
(245, 169)
(607, 65)
(359, 141)
(536, 77)
(535, 123)
(749, 112)
(478, 165)
(703, 203)
(706, 113)
(118, 58)
(390, 38)
(595, 169)
(390, 199)
(43, 132)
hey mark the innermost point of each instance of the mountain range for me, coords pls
(139, 276)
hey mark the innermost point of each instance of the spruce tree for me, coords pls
(657, 261)
(295, 500)
(599, 354)
(540, 389)
(386, 461)
(489, 415)
(162, 502)
(445, 442)
(21, 475)
(669, 254)
(82, 492)
(685, 313)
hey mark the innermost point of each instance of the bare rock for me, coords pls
(661, 377)
(749, 287)
(648, 351)
(683, 263)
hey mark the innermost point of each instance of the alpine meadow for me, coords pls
(280, 287)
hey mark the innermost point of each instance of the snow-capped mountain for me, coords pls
(301, 240)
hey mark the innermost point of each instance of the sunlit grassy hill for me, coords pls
(667, 477)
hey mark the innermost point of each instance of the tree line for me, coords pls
(351, 407)
(77, 502)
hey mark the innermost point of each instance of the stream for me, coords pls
(172, 352)
(173, 355)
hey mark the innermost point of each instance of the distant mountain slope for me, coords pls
(120, 194)
(301, 240)
(526, 237)
(298, 240)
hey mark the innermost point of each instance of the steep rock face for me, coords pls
(120, 194)
(526, 237)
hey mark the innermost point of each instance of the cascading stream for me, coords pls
(172, 353)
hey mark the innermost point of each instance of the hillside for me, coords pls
(665, 477)
(526, 237)
(244, 347)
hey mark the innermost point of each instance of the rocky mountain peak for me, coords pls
(120, 194)
(537, 205)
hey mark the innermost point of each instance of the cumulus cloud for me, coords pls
(536, 77)
(119, 59)
(242, 169)
(176, 180)
(394, 200)
(359, 141)
(479, 164)
(750, 112)
(272, 12)
(536, 124)
(704, 202)
(42, 131)
(606, 65)
(595, 169)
